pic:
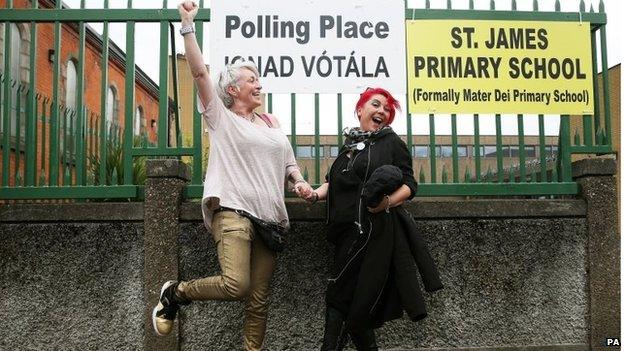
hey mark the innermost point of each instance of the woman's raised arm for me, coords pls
(188, 10)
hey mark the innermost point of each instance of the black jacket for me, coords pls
(387, 285)
(386, 148)
(384, 181)
(375, 269)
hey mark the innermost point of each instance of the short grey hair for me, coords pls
(229, 77)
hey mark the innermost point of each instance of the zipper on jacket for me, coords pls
(379, 296)
(357, 223)
(333, 280)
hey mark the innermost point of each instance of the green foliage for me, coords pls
(114, 165)
(421, 176)
(187, 141)
(467, 176)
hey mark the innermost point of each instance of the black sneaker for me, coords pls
(165, 312)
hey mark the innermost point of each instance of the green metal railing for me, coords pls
(91, 158)
(55, 152)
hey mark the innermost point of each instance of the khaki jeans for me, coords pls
(246, 270)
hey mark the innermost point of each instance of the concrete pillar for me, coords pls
(598, 188)
(163, 195)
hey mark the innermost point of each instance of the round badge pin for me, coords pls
(360, 146)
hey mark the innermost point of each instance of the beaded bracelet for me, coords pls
(387, 204)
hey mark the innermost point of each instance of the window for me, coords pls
(111, 107)
(70, 86)
(552, 151)
(420, 151)
(488, 151)
(447, 151)
(514, 151)
(506, 150)
(306, 151)
(462, 151)
(70, 103)
(139, 122)
(334, 151)
(530, 151)
(444, 151)
(14, 71)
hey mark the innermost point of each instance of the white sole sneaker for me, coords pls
(160, 306)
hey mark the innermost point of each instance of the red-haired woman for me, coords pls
(378, 249)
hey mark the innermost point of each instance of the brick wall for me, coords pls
(148, 100)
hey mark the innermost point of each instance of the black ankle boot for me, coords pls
(334, 335)
(364, 340)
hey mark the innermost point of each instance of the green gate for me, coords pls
(75, 147)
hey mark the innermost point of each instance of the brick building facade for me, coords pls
(146, 91)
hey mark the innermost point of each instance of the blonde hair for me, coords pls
(229, 77)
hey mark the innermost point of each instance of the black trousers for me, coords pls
(335, 335)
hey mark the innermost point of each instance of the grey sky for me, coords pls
(147, 47)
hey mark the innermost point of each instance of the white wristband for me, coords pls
(184, 30)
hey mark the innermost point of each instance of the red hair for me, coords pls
(393, 104)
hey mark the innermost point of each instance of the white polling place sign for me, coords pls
(313, 46)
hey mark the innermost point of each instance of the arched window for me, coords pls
(111, 107)
(70, 102)
(16, 47)
(70, 85)
(139, 122)
(14, 72)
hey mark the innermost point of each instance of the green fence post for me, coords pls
(499, 149)
(293, 122)
(80, 111)
(454, 148)
(432, 146)
(564, 151)
(7, 90)
(595, 85)
(605, 80)
(31, 119)
(542, 146)
(317, 140)
(521, 148)
(129, 104)
(44, 131)
(477, 149)
(339, 104)
(54, 117)
(18, 132)
(103, 133)
(163, 110)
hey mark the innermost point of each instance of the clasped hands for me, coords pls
(305, 191)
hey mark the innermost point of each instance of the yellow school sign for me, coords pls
(475, 66)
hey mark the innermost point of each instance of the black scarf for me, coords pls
(355, 136)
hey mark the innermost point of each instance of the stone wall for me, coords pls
(521, 274)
